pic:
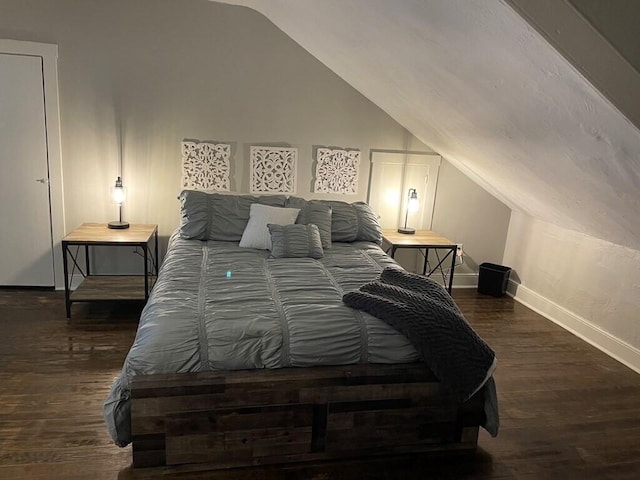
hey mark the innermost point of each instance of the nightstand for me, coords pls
(425, 240)
(96, 288)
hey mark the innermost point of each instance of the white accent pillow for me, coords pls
(256, 234)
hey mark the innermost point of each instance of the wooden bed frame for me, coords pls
(228, 419)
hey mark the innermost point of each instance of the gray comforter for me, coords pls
(218, 306)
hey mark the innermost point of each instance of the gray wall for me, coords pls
(157, 72)
(587, 285)
(467, 214)
(142, 75)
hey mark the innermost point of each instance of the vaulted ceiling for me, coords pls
(475, 82)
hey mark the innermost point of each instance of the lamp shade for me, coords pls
(117, 192)
(413, 205)
(118, 195)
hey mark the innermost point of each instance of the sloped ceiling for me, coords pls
(471, 79)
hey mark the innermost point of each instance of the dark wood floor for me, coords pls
(567, 410)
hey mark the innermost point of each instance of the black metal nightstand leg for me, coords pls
(453, 267)
(67, 296)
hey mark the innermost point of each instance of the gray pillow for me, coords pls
(349, 221)
(216, 216)
(319, 214)
(296, 202)
(369, 228)
(295, 240)
(353, 221)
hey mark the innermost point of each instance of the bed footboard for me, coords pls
(251, 417)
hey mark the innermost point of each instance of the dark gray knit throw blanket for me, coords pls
(423, 311)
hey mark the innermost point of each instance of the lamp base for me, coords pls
(119, 225)
(407, 230)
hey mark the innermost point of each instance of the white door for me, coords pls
(392, 175)
(26, 250)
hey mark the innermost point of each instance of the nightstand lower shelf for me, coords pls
(98, 288)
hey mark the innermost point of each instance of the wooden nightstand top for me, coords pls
(99, 233)
(420, 239)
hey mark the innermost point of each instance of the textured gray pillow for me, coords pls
(369, 228)
(349, 221)
(296, 202)
(353, 221)
(295, 240)
(319, 214)
(216, 216)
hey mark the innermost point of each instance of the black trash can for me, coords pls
(493, 279)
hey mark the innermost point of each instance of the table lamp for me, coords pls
(118, 195)
(412, 206)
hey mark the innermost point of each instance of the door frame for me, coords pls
(49, 55)
(428, 204)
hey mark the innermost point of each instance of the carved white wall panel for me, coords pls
(273, 169)
(206, 166)
(337, 171)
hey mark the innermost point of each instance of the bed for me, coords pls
(246, 352)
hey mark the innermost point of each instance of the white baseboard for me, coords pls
(460, 280)
(73, 282)
(465, 280)
(587, 331)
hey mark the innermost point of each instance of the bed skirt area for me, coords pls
(223, 419)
